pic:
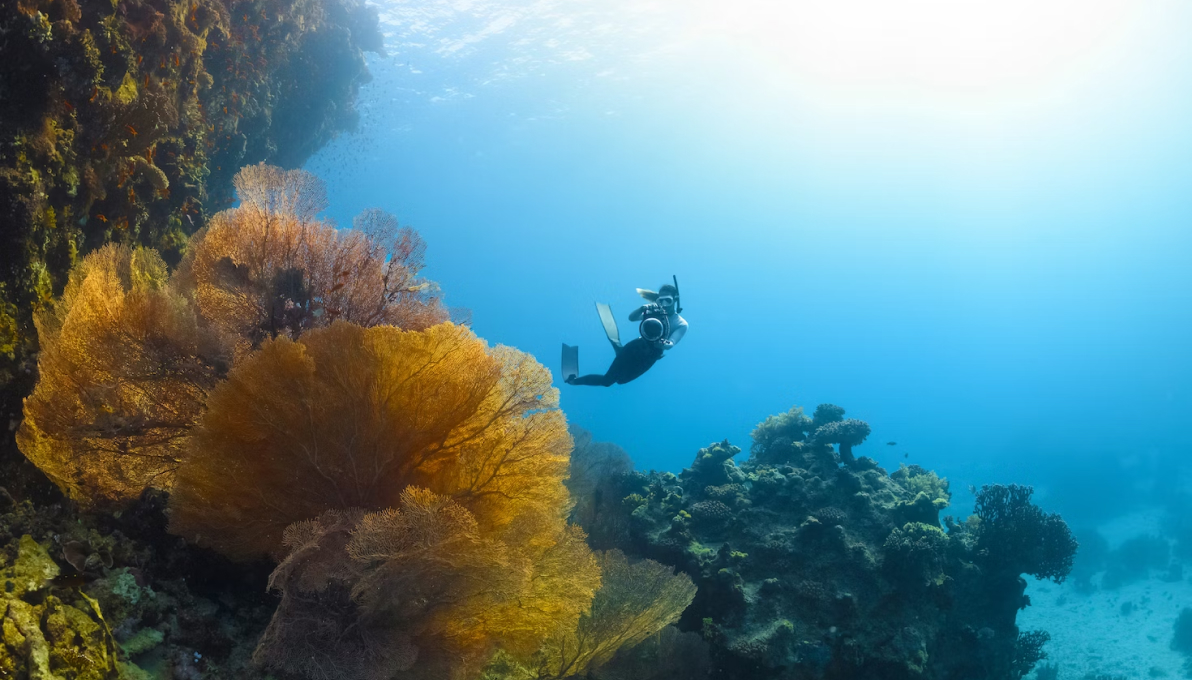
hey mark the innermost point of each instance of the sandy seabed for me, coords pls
(1090, 632)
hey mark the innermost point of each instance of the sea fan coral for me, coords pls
(418, 589)
(347, 417)
(272, 267)
(636, 600)
(129, 354)
(125, 367)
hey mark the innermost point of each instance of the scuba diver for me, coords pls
(660, 329)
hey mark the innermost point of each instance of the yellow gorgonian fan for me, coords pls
(347, 417)
(271, 267)
(124, 370)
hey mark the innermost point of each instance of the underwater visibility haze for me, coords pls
(285, 284)
(964, 221)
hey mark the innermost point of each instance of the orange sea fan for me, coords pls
(124, 369)
(348, 417)
(272, 267)
(420, 590)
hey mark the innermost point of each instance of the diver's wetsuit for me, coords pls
(632, 360)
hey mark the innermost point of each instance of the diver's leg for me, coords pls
(593, 379)
(635, 358)
(605, 380)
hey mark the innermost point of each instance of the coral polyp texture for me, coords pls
(131, 353)
(125, 122)
(812, 562)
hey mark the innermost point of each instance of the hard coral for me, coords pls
(847, 433)
(832, 572)
(773, 437)
(44, 637)
(1016, 536)
(916, 554)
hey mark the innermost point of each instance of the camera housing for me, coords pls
(655, 325)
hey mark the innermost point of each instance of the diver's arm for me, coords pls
(676, 335)
(636, 315)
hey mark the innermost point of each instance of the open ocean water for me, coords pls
(967, 223)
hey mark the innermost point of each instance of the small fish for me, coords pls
(891, 443)
(101, 218)
(132, 129)
(68, 581)
(906, 455)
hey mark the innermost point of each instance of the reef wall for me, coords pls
(125, 120)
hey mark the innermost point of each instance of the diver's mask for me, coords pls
(666, 301)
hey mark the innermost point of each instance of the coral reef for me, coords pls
(409, 481)
(1014, 536)
(300, 393)
(42, 635)
(812, 562)
(125, 122)
(130, 354)
(94, 597)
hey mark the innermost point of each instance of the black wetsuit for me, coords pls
(632, 360)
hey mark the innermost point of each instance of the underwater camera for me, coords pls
(655, 325)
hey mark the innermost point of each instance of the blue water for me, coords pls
(996, 275)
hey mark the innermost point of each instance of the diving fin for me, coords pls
(609, 323)
(570, 361)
